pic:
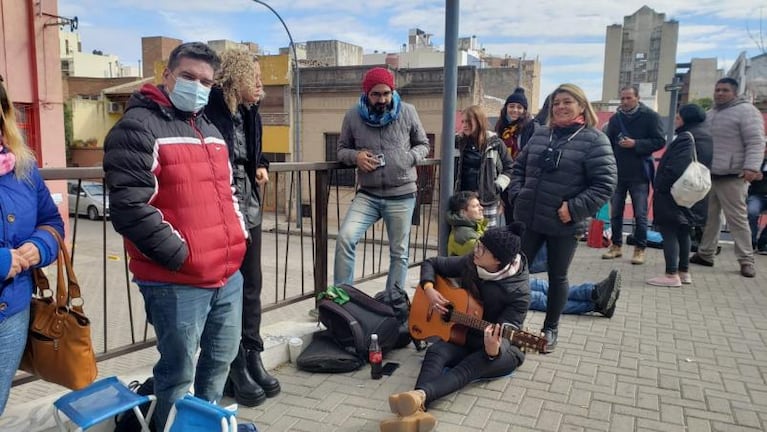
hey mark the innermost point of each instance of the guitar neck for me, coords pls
(478, 324)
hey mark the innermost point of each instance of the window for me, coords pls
(25, 121)
(341, 177)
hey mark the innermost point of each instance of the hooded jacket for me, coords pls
(738, 131)
(25, 205)
(674, 162)
(463, 234)
(171, 194)
(494, 169)
(242, 132)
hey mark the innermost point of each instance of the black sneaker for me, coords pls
(551, 339)
(607, 293)
(697, 259)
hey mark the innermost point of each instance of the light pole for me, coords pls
(673, 88)
(297, 129)
(297, 116)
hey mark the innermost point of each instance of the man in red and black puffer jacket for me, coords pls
(171, 198)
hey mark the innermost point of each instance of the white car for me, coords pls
(91, 199)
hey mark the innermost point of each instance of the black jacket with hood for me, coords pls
(242, 132)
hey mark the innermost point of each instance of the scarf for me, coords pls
(7, 159)
(507, 271)
(631, 112)
(510, 136)
(379, 120)
(580, 120)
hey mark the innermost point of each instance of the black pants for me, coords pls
(561, 250)
(465, 365)
(676, 247)
(251, 293)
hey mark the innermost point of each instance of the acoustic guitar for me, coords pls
(463, 313)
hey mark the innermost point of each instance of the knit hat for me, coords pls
(692, 114)
(376, 76)
(504, 242)
(518, 97)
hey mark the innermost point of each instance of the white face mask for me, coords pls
(188, 95)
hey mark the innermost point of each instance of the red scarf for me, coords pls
(580, 120)
(510, 137)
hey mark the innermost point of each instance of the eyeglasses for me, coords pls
(379, 95)
(479, 249)
(190, 77)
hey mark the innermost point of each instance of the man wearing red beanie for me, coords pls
(383, 137)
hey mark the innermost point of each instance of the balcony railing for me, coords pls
(297, 249)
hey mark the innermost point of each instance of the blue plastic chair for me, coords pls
(191, 414)
(102, 400)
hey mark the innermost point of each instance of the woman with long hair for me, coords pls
(674, 221)
(26, 206)
(233, 108)
(484, 164)
(564, 174)
(515, 126)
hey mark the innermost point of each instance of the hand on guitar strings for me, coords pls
(493, 340)
(436, 300)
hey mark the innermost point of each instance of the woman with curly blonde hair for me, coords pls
(26, 203)
(233, 108)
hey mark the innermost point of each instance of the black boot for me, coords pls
(260, 375)
(240, 384)
(551, 339)
(606, 293)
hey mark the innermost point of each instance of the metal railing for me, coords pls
(294, 255)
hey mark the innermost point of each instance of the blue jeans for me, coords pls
(756, 204)
(13, 339)
(364, 212)
(639, 192)
(578, 297)
(185, 318)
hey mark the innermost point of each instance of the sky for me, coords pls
(566, 36)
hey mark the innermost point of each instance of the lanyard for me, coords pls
(551, 137)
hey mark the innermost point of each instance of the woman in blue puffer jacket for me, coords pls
(25, 205)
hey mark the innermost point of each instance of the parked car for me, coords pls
(91, 199)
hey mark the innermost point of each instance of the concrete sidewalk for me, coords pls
(681, 359)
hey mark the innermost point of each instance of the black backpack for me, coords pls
(325, 355)
(352, 323)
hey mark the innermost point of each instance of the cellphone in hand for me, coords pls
(381, 161)
(389, 368)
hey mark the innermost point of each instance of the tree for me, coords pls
(68, 131)
(706, 102)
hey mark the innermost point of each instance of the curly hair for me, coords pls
(238, 71)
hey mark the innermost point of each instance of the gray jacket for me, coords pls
(403, 143)
(738, 131)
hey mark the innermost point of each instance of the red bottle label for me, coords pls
(376, 357)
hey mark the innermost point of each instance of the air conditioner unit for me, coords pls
(115, 107)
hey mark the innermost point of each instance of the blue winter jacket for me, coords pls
(24, 206)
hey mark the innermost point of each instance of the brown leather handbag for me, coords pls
(59, 346)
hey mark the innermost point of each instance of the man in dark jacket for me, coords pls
(170, 193)
(635, 132)
(383, 137)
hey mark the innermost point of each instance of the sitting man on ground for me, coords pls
(468, 224)
(496, 276)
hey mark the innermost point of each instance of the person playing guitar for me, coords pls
(496, 276)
